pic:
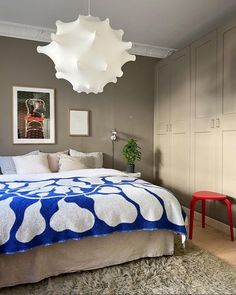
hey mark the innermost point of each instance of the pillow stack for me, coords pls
(37, 162)
(31, 164)
(7, 163)
(53, 159)
(97, 157)
(78, 160)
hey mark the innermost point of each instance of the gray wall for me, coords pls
(126, 106)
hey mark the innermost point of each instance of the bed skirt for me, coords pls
(88, 253)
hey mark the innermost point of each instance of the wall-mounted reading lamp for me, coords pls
(113, 139)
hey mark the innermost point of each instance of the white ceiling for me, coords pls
(166, 23)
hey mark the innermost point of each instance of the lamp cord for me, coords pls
(89, 7)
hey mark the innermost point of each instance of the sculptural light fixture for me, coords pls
(88, 53)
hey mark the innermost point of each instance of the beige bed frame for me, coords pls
(88, 253)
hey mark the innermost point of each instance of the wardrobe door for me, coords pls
(180, 121)
(162, 135)
(226, 121)
(163, 96)
(203, 113)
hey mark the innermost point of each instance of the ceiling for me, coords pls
(165, 23)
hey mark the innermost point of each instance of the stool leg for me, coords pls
(227, 202)
(203, 212)
(192, 205)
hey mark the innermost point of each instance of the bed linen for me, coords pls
(7, 165)
(88, 253)
(49, 208)
(97, 157)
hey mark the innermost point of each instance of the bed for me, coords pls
(80, 220)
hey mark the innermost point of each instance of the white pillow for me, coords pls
(68, 163)
(53, 160)
(98, 157)
(31, 164)
(7, 165)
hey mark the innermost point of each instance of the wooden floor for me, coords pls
(215, 241)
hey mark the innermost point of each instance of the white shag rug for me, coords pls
(189, 271)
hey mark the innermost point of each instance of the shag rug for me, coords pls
(190, 271)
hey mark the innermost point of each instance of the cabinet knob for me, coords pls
(217, 123)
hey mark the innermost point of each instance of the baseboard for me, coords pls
(210, 221)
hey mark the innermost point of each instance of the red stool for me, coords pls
(203, 196)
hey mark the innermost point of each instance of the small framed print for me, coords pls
(79, 122)
(33, 115)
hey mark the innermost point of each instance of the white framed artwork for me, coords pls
(79, 122)
(33, 115)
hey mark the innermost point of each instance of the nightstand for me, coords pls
(135, 174)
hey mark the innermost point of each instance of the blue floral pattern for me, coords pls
(35, 213)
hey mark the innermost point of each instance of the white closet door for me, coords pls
(163, 96)
(203, 113)
(180, 121)
(226, 122)
(162, 114)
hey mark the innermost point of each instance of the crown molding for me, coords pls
(150, 50)
(27, 32)
(15, 30)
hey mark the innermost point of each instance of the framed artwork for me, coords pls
(79, 122)
(33, 115)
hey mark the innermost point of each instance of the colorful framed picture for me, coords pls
(79, 122)
(33, 115)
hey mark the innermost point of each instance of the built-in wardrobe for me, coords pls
(195, 118)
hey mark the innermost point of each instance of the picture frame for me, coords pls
(79, 122)
(33, 115)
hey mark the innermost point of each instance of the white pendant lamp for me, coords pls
(88, 53)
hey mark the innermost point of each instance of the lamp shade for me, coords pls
(88, 53)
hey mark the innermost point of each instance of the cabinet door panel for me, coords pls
(204, 77)
(203, 113)
(180, 86)
(180, 121)
(180, 163)
(204, 161)
(205, 71)
(229, 163)
(162, 159)
(172, 125)
(227, 109)
(163, 95)
(161, 128)
(229, 71)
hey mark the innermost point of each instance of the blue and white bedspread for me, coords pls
(46, 209)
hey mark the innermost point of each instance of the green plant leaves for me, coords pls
(131, 151)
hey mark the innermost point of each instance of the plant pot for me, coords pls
(130, 168)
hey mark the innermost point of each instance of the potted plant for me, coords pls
(131, 152)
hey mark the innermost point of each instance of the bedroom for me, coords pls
(60, 139)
